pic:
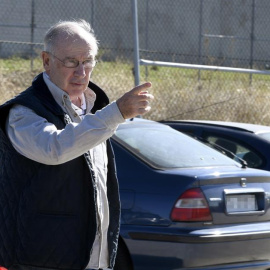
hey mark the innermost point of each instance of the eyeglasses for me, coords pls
(73, 63)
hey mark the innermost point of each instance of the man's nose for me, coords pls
(80, 70)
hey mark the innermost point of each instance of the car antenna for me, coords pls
(242, 161)
(225, 151)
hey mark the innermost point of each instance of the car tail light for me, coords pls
(191, 206)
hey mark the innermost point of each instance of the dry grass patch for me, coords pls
(179, 93)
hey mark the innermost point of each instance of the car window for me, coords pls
(237, 149)
(164, 147)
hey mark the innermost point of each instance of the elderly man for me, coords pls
(59, 200)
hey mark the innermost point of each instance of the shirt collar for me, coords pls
(60, 96)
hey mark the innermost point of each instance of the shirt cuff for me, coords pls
(111, 115)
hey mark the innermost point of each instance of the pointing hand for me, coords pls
(136, 101)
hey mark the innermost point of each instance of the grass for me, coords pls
(179, 93)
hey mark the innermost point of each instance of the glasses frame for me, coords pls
(78, 62)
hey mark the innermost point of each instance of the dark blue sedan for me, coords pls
(187, 206)
(238, 140)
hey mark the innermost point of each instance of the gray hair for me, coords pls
(55, 32)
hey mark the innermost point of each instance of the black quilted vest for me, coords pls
(47, 213)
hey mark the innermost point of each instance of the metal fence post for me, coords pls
(200, 37)
(252, 38)
(92, 19)
(136, 43)
(32, 32)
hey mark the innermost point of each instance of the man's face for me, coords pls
(74, 81)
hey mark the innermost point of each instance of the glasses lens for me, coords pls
(71, 63)
(89, 63)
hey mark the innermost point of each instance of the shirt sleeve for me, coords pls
(37, 139)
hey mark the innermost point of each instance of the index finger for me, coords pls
(140, 88)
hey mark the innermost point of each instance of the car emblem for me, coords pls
(243, 182)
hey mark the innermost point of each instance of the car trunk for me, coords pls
(237, 199)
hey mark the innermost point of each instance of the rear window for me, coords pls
(164, 147)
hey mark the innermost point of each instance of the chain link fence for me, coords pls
(229, 33)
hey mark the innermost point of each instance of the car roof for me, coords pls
(257, 129)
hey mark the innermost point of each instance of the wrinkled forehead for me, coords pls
(76, 40)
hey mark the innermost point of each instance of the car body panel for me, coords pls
(201, 247)
(231, 240)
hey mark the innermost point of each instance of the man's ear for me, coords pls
(46, 60)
